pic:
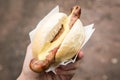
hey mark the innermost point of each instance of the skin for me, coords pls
(63, 72)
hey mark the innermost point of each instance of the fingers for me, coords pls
(60, 71)
(71, 67)
(65, 75)
(80, 54)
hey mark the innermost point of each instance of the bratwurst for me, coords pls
(60, 39)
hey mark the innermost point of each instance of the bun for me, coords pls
(58, 39)
(45, 34)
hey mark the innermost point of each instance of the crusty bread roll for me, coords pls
(59, 39)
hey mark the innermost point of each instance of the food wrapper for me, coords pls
(88, 32)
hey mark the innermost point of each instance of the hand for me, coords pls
(63, 72)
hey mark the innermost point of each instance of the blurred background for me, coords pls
(102, 52)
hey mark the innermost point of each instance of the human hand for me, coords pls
(62, 72)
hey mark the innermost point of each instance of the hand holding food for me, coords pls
(59, 39)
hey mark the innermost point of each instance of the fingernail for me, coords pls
(81, 54)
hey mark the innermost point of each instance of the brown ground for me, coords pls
(102, 52)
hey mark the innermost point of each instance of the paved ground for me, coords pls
(102, 52)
